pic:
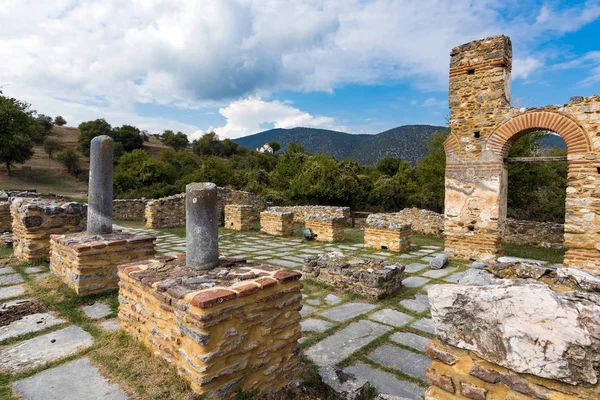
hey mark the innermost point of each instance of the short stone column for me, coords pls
(387, 232)
(202, 225)
(87, 262)
(277, 222)
(326, 228)
(239, 217)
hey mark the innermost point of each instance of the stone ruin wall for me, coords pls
(35, 220)
(169, 212)
(239, 217)
(533, 338)
(277, 223)
(385, 231)
(129, 209)
(326, 228)
(7, 195)
(301, 212)
(483, 126)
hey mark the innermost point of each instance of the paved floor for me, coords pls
(382, 342)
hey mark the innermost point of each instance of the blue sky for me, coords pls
(242, 66)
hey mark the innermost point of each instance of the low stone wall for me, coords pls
(325, 227)
(375, 279)
(129, 209)
(385, 233)
(221, 334)
(7, 195)
(301, 212)
(516, 338)
(533, 233)
(35, 220)
(5, 218)
(88, 263)
(169, 212)
(239, 217)
(277, 223)
(423, 222)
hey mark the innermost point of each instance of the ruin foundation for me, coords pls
(129, 209)
(35, 220)
(326, 228)
(88, 263)
(239, 217)
(375, 279)
(277, 223)
(234, 327)
(386, 233)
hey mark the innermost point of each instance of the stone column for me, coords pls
(202, 220)
(100, 191)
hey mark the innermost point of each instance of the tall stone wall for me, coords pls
(35, 220)
(129, 209)
(483, 127)
(169, 212)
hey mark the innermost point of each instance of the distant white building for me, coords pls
(265, 149)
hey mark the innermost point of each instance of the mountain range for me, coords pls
(405, 142)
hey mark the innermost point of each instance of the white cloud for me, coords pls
(249, 116)
(104, 56)
(433, 102)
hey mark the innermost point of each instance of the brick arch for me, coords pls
(508, 132)
(451, 144)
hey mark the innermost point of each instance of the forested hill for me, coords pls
(405, 142)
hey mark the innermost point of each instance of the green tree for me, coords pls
(140, 175)
(293, 147)
(16, 120)
(129, 136)
(229, 147)
(59, 120)
(208, 145)
(51, 145)
(89, 130)
(69, 158)
(41, 128)
(388, 165)
(178, 141)
(275, 146)
(431, 172)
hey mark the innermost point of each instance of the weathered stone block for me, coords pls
(234, 327)
(277, 223)
(326, 228)
(239, 217)
(383, 232)
(88, 263)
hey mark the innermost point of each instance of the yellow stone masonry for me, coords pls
(88, 263)
(240, 334)
(326, 229)
(35, 220)
(277, 223)
(387, 239)
(239, 217)
(460, 374)
(5, 218)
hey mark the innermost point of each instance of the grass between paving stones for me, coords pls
(5, 252)
(553, 256)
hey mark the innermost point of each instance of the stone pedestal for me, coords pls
(385, 232)
(239, 217)
(277, 223)
(88, 263)
(35, 220)
(230, 328)
(375, 279)
(326, 228)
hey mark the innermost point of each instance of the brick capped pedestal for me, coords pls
(35, 220)
(239, 217)
(460, 374)
(277, 223)
(88, 263)
(326, 228)
(385, 231)
(234, 327)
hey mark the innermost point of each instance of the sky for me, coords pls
(239, 67)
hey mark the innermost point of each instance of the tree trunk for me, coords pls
(8, 168)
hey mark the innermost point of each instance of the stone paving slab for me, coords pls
(283, 263)
(111, 325)
(75, 380)
(6, 270)
(96, 310)
(438, 273)
(347, 311)
(33, 270)
(43, 349)
(11, 291)
(28, 324)
(454, 277)
(313, 302)
(405, 256)
(385, 382)
(414, 281)
(315, 325)
(343, 343)
(332, 299)
(428, 259)
(419, 304)
(391, 317)
(425, 325)
(414, 267)
(10, 279)
(401, 359)
(411, 340)
(306, 310)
